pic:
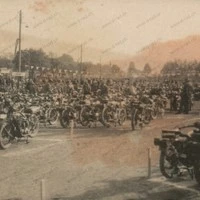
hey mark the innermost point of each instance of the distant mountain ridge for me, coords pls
(158, 53)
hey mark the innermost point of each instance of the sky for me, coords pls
(122, 26)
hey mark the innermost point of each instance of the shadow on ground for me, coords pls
(133, 189)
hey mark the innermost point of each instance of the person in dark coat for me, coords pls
(104, 89)
(186, 97)
(86, 88)
(30, 86)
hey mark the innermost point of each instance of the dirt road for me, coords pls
(96, 163)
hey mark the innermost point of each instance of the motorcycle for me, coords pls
(114, 113)
(17, 123)
(71, 112)
(158, 106)
(141, 113)
(180, 152)
(90, 112)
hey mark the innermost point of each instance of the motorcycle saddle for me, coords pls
(170, 131)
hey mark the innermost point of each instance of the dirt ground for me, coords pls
(97, 163)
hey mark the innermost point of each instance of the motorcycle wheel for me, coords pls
(5, 136)
(65, 117)
(106, 116)
(122, 116)
(34, 126)
(84, 115)
(197, 172)
(134, 118)
(52, 116)
(165, 167)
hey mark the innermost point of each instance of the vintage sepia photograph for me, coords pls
(99, 100)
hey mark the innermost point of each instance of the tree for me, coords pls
(147, 69)
(115, 69)
(55, 63)
(66, 58)
(5, 62)
(131, 68)
(31, 57)
(167, 68)
(39, 58)
(65, 62)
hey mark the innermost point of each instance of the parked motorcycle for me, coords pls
(17, 123)
(71, 112)
(159, 104)
(90, 112)
(180, 151)
(140, 115)
(114, 113)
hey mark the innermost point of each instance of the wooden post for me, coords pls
(149, 162)
(43, 191)
(72, 127)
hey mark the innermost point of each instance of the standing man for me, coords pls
(30, 86)
(186, 97)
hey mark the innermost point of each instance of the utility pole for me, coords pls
(20, 27)
(81, 62)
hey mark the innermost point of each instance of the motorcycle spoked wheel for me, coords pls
(122, 116)
(166, 168)
(85, 115)
(134, 118)
(5, 136)
(66, 117)
(107, 116)
(52, 116)
(197, 172)
(33, 125)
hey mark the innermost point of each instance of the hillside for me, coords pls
(158, 53)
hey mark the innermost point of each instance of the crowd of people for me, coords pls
(103, 87)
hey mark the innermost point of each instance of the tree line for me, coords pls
(181, 68)
(38, 59)
(132, 70)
